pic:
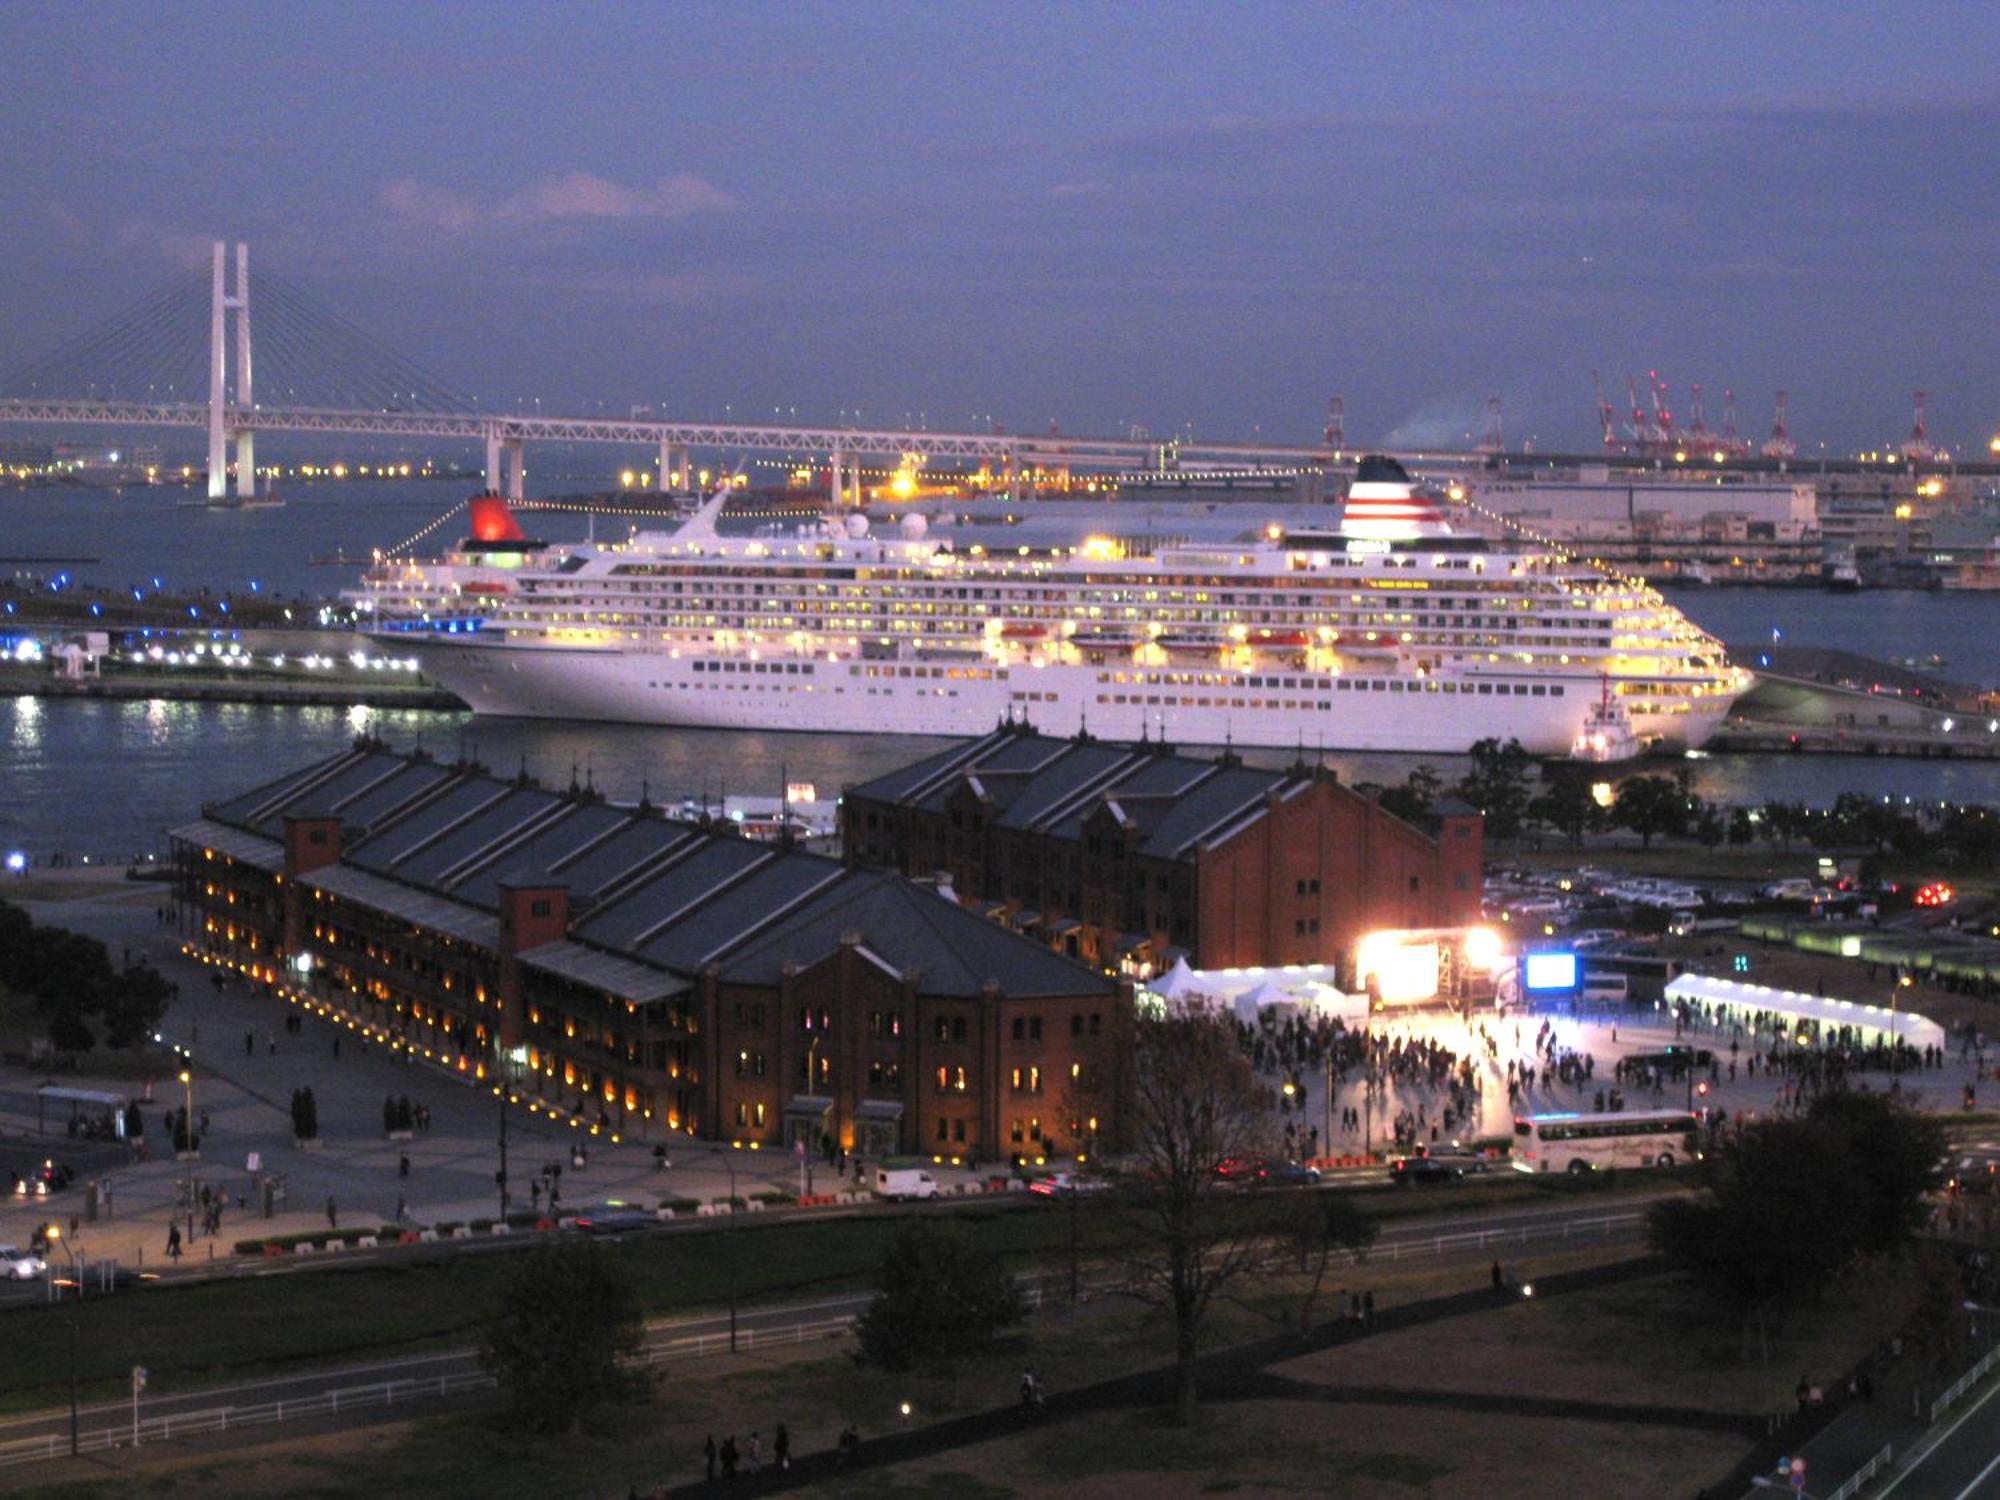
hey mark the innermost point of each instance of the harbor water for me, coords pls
(106, 778)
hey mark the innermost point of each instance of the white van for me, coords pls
(900, 1183)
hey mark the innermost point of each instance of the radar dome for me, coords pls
(914, 527)
(857, 527)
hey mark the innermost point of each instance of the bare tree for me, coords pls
(1192, 1102)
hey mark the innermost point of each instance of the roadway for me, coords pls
(1962, 1463)
(355, 1393)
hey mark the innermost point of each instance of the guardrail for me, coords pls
(1863, 1474)
(55, 1445)
(1495, 1239)
(1964, 1383)
(221, 1418)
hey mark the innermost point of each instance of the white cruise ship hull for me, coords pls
(1545, 712)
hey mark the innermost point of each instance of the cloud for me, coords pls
(563, 200)
(662, 288)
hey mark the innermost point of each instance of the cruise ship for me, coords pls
(1386, 632)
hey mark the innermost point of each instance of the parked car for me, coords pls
(1424, 1170)
(116, 1279)
(17, 1264)
(1286, 1174)
(613, 1217)
(1063, 1184)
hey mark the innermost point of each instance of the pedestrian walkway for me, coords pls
(1231, 1374)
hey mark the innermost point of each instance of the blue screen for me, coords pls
(1549, 971)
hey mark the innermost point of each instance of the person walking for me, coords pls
(754, 1452)
(708, 1456)
(332, 1213)
(781, 1448)
(173, 1242)
(1499, 1277)
(729, 1456)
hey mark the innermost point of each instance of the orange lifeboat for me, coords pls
(1283, 640)
(1023, 632)
(489, 589)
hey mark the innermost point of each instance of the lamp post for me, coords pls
(56, 1234)
(730, 1167)
(509, 1070)
(1903, 982)
(188, 1136)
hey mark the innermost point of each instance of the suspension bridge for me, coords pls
(183, 358)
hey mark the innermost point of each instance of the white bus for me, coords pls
(1583, 1143)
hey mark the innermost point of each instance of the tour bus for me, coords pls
(1583, 1143)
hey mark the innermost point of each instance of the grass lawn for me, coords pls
(818, 1389)
(195, 1335)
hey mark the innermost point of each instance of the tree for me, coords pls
(941, 1297)
(1787, 1204)
(1191, 1103)
(134, 1004)
(1650, 806)
(1565, 803)
(1332, 1224)
(1497, 785)
(1414, 799)
(568, 1320)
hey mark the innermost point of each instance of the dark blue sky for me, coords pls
(1105, 215)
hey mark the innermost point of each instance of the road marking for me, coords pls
(1992, 1464)
(1943, 1438)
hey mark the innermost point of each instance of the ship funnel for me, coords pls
(492, 521)
(1385, 504)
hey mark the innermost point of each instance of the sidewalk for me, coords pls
(246, 1093)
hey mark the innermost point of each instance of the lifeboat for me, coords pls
(1281, 640)
(1190, 641)
(489, 589)
(1105, 640)
(1023, 632)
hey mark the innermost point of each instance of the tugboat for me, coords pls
(1840, 574)
(1607, 735)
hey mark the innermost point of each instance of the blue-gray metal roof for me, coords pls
(660, 899)
(246, 848)
(423, 909)
(726, 920)
(489, 832)
(532, 861)
(639, 842)
(895, 785)
(605, 971)
(404, 836)
(1071, 775)
(322, 795)
(384, 798)
(1221, 799)
(913, 929)
(252, 807)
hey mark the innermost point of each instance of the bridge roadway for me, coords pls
(421, 1380)
(1005, 448)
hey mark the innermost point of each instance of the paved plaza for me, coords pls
(246, 1094)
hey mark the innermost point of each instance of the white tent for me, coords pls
(1261, 997)
(1873, 1021)
(1176, 982)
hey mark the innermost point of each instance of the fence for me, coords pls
(222, 1418)
(55, 1444)
(1964, 1383)
(1862, 1475)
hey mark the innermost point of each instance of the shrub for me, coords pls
(681, 1205)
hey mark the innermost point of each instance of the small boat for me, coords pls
(1105, 640)
(1607, 734)
(1840, 574)
(270, 499)
(1023, 632)
(1190, 641)
(489, 589)
(1281, 640)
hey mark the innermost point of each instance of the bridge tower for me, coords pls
(221, 304)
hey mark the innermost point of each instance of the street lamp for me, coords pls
(56, 1235)
(188, 1136)
(730, 1167)
(1903, 982)
(511, 1062)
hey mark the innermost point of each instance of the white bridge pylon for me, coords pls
(232, 415)
(221, 429)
